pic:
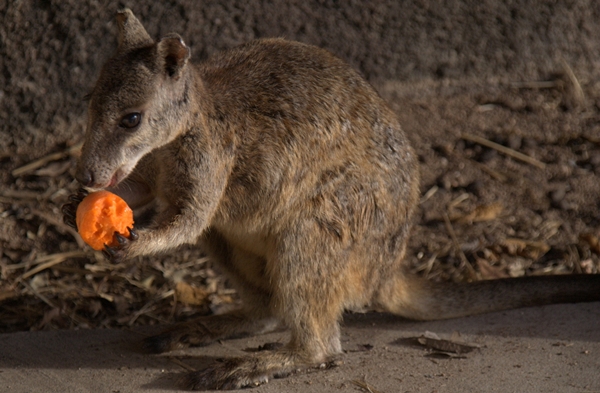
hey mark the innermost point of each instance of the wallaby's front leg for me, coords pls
(189, 188)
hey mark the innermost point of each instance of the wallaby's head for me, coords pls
(139, 103)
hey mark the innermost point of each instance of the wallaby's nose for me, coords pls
(84, 177)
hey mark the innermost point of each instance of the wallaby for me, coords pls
(296, 178)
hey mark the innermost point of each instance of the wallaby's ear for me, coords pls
(131, 32)
(173, 54)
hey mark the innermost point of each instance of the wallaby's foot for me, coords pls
(69, 210)
(228, 374)
(116, 253)
(251, 371)
(206, 330)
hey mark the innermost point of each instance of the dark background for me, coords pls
(51, 51)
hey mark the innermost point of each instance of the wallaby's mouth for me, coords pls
(119, 175)
(113, 181)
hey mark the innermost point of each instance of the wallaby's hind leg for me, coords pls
(255, 317)
(315, 340)
(205, 330)
(309, 303)
(249, 371)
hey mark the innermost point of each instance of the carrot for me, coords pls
(101, 214)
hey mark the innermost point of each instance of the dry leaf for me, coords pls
(365, 386)
(50, 316)
(587, 266)
(549, 228)
(592, 240)
(190, 295)
(517, 266)
(431, 341)
(94, 308)
(7, 294)
(489, 272)
(482, 213)
(525, 248)
(54, 169)
(39, 281)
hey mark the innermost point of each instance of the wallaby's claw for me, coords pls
(70, 221)
(116, 253)
(109, 252)
(78, 197)
(113, 254)
(133, 235)
(122, 240)
(69, 210)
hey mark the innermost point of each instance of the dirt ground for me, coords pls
(500, 99)
(509, 353)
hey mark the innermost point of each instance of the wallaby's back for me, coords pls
(299, 115)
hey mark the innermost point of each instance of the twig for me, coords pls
(46, 258)
(493, 173)
(39, 295)
(503, 149)
(591, 139)
(74, 317)
(60, 225)
(196, 262)
(431, 192)
(40, 162)
(364, 385)
(460, 252)
(578, 95)
(458, 200)
(536, 84)
(19, 194)
(429, 265)
(144, 310)
(577, 259)
(53, 259)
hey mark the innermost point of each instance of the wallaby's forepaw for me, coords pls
(228, 374)
(69, 210)
(119, 252)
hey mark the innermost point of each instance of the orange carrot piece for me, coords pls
(100, 215)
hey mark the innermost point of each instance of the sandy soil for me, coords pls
(521, 74)
(382, 354)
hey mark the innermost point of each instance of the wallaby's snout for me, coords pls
(84, 176)
(102, 174)
(94, 172)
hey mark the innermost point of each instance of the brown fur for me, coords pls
(297, 179)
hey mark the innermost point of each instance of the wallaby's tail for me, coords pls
(417, 298)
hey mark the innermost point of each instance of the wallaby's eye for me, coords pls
(130, 120)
